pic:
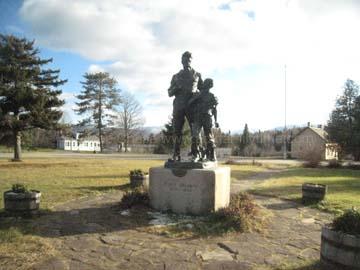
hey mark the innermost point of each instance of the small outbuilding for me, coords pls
(74, 143)
(313, 140)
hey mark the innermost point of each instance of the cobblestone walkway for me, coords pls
(92, 234)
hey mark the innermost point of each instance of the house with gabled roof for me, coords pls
(75, 143)
(313, 140)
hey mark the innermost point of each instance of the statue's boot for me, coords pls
(176, 153)
(195, 159)
(195, 149)
(211, 152)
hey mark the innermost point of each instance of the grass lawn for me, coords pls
(343, 186)
(62, 179)
(246, 170)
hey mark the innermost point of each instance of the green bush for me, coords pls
(19, 188)
(349, 222)
(334, 164)
(134, 197)
(353, 166)
(137, 172)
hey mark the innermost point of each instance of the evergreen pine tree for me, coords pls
(342, 126)
(167, 141)
(29, 96)
(245, 139)
(97, 99)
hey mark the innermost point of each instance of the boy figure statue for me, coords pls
(204, 108)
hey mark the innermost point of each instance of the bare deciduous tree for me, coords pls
(129, 118)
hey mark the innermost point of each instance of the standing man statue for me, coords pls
(184, 85)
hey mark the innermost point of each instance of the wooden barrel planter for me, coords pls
(339, 250)
(312, 193)
(139, 180)
(22, 203)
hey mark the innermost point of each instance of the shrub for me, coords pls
(137, 172)
(334, 164)
(230, 162)
(235, 162)
(134, 197)
(349, 222)
(10, 235)
(312, 159)
(241, 215)
(19, 188)
(353, 166)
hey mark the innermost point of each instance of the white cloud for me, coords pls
(95, 69)
(245, 55)
(68, 108)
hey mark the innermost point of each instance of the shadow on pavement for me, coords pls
(80, 217)
(123, 187)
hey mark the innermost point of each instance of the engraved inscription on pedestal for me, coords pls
(198, 191)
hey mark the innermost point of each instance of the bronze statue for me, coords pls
(204, 104)
(194, 102)
(183, 85)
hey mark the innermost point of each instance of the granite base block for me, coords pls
(195, 191)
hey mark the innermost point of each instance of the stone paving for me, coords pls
(92, 234)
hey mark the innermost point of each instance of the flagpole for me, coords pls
(285, 131)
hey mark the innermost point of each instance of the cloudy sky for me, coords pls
(243, 45)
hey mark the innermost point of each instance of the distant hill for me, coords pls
(153, 130)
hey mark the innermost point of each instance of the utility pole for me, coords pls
(285, 131)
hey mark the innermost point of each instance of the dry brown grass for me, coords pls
(22, 251)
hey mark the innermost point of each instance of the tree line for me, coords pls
(257, 144)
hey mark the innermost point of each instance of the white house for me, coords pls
(75, 144)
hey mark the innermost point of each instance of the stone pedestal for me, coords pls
(194, 191)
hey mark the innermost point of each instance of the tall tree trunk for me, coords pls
(126, 137)
(100, 138)
(17, 146)
(356, 153)
(126, 140)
